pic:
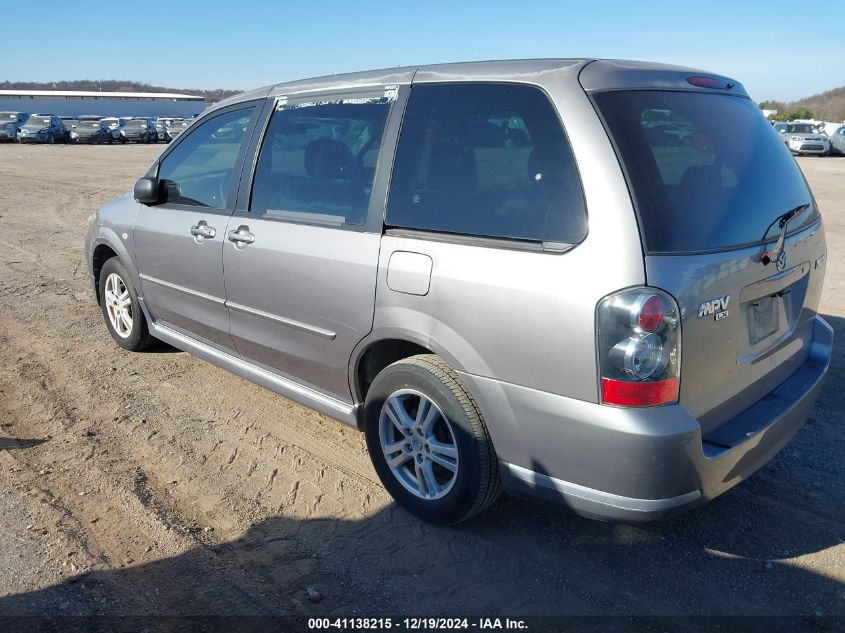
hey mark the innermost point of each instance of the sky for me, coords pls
(777, 51)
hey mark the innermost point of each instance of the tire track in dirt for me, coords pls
(184, 440)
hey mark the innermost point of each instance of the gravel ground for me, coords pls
(153, 483)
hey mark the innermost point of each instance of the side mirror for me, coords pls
(146, 190)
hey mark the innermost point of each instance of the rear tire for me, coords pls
(444, 467)
(121, 309)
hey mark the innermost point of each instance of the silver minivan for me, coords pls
(588, 282)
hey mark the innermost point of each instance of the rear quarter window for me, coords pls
(488, 160)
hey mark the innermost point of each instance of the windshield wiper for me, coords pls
(783, 223)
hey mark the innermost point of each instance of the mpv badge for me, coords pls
(717, 307)
(780, 262)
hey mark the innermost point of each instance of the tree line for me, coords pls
(826, 106)
(113, 85)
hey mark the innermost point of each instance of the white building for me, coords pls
(120, 104)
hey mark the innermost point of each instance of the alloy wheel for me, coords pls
(419, 444)
(118, 305)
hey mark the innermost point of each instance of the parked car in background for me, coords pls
(590, 313)
(114, 125)
(139, 130)
(91, 131)
(830, 127)
(11, 124)
(837, 141)
(160, 129)
(175, 128)
(43, 128)
(805, 138)
(782, 129)
(70, 124)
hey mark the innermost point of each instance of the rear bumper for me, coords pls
(639, 464)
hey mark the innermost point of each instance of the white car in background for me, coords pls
(837, 140)
(782, 129)
(805, 138)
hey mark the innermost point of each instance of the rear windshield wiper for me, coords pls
(783, 222)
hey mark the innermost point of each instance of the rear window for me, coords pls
(488, 160)
(706, 171)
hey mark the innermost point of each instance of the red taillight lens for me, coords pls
(650, 314)
(639, 346)
(639, 394)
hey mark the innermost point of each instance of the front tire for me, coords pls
(121, 308)
(428, 442)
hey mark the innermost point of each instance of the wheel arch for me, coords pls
(107, 244)
(374, 354)
(386, 345)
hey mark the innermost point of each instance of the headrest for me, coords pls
(702, 178)
(452, 168)
(329, 159)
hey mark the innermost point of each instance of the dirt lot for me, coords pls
(155, 483)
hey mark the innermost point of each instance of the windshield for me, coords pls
(710, 175)
(136, 123)
(41, 121)
(781, 127)
(801, 128)
(88, 125)
(8, 115)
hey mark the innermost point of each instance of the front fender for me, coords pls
(113, 227)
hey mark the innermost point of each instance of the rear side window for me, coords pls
(486, 160)
(199, 170)
(706, 170)
(318, 162)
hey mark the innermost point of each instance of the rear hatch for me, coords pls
(710, 181)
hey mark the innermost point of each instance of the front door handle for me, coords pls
(241, 235)
(202, 230)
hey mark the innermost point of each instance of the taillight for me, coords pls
(639, 348)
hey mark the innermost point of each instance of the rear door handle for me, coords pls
(202, 230)
(241, 235)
